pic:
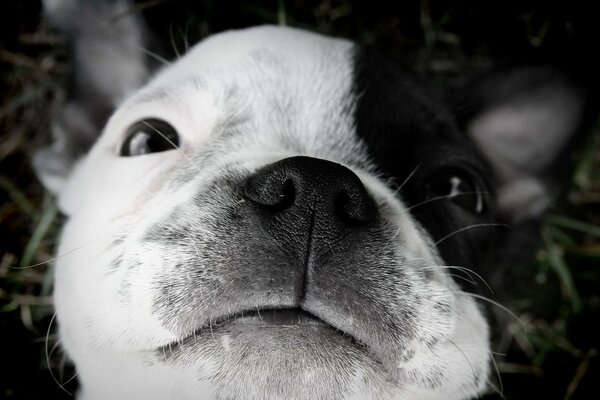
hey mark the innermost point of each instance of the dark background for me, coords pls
(551, 353)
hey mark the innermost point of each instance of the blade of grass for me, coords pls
(281, 14)
(569, 223)
(18, 197)
(561, 236)
(26, 98)
(9, 307)
(558, 264)
(39, 233)
(584, 172)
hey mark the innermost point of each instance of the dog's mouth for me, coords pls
(260, 320)
(272, 316)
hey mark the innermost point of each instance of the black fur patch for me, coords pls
(411, 136)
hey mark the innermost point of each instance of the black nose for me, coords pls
(314, 210)
(306, 186)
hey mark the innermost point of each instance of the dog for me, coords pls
(282, 215)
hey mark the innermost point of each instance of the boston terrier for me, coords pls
(283, 215)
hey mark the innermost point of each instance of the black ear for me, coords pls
(108, 58)
(522, 121)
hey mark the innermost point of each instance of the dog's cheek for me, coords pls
(94, 299)
(95, 296)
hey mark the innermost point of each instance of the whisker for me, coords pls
(468, 362)
(181, 152)
(210, 324)
(74, 375)
(500, 390)
(53, 349)
(258, 312)
(495, 303)
(186, 43)
(468, 280)
(466, 270)
(50, 260)
(48, 353)
(407, 179)
(446, 196)
(61, 367)
(172, 39)
(467, 228)
(155, 56)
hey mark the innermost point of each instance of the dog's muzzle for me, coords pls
(300, 242)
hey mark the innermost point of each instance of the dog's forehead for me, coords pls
(266, 51)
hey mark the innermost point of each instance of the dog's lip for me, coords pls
(265, 316)
(273, 317)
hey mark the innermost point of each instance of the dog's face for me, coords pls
(277, 215)
(248, 232)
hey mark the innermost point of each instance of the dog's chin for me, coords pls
(286, 352)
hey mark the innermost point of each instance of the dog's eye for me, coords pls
(457, 187)
(149, 136)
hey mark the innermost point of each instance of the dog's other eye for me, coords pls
(457, 187)
(149, 136)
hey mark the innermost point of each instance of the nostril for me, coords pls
(355, 208)
(273, 195)
(287, 196)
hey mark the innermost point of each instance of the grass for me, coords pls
(551, 352)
